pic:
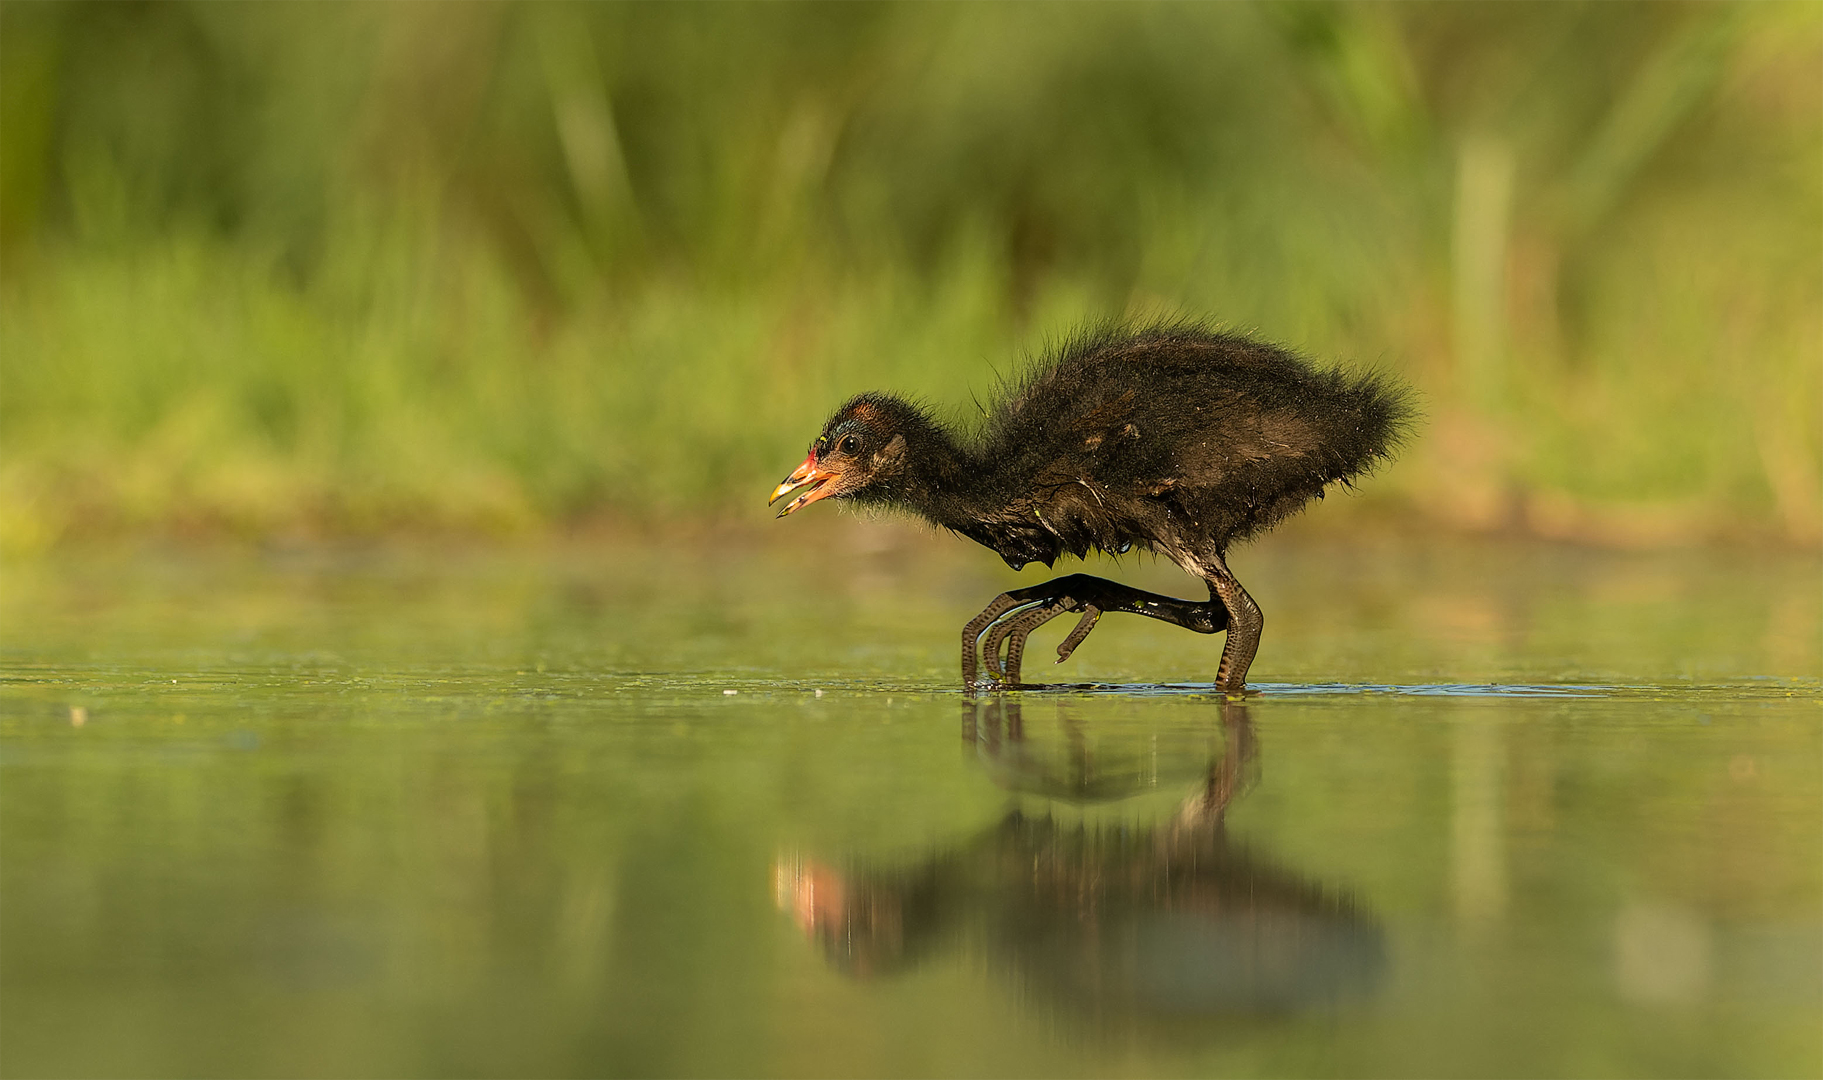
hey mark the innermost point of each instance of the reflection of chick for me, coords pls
(1159, 922)
(1173, 921)
(867, 925)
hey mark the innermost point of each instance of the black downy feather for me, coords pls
(1171, 438)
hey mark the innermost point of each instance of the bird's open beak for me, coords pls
(807, 473)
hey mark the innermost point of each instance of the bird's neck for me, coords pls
(940, 480)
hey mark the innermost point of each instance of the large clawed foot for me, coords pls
(1011, 629)
(1090, 616)
(971, 640)
(1011, 618)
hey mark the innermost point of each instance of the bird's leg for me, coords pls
(1244, 625)
(1015, 628)
(971, 631)
(1092, 596)
(1012, 617)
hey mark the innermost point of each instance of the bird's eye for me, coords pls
(850, 444)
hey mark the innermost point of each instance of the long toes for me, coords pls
(975, 627)
(995, 637)
(1090, 616)
(992, 641)
(971, 631)
(1015, 653)
(1013, 630)
(989, 643)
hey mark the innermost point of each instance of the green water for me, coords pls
(717, 808)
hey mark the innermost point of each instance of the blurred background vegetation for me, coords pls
(295, 270)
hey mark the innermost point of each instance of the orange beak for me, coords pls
(807, 473)
(813, 894)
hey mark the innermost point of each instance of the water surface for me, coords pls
(719, 808)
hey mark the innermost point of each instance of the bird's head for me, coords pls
(861, 445)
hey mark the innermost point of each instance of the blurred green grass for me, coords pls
(327, 269)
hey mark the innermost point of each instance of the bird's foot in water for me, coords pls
(1012, 631)
(1006, 623)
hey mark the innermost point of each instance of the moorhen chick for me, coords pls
(1174, 439)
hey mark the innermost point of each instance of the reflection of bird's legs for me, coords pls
(1229, 777)
(1012, 617)
(1240, 768)
(982, 726)
(1082, 762)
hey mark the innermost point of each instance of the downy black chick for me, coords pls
(1174, 439)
